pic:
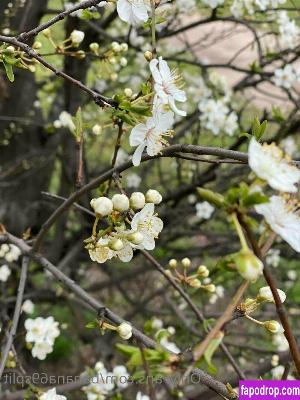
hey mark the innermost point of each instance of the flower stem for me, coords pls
(240, 232)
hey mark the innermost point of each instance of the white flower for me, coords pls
(204, 210)
(268, 163)
(141, 396)
(41, 350)
(77, 37)
(289, 146)
(280, 341)
(42, 332)
(148, 225)
(102, 206)
(104, 252)
(157, 324)
(4, 249)
(153, 196)
(137, 201)
(122, 376)
(100, 386)
(283, 218)
(186, 6)
(134, 12)
(133, 180)
(277, 372)
(219, 293)
(288, 30)
(273, 326)
(273, 257)
(10, 252)
(4, 273)
(265, 294)
(292, 274)
(65, 120)
(125, 330)
(213, 3)
(28, 307)
(150, 134)
(285, 77)
(166, 85)
(51, 395)
(120, 202)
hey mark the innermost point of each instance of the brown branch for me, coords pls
(16, 316)
(282, 314)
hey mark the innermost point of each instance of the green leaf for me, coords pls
(9, 71)
(211, 349)
(258, 129)
(126, 349)
(254, 198)
(92, 325)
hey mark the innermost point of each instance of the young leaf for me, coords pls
(9, 71)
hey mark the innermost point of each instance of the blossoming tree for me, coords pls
(150, 226)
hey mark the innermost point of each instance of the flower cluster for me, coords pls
(4, 272)
(105, 382)
(289, 31)
(51, 395)
(10, 252)
(239, 8)
(164, 334)
(41, 332)
(192, 280)
(287, 76)
(128, 230)
(281, 212)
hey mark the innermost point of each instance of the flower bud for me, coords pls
(124, 46)
(210, 288)
(265, 294)
(137, 201)
(248, 265)
(273, 326)
(102, 206)
(186, 262)
(47, 32)
(97, 129)
(148, 55)
(136, 238)
(128, 92)
(203, 271)
(120, 202)
(37, 45)
(112, 60)
(116, 47)
(173, 263)
(10, 49)
(125, 330)
(153, 196)
(94, 47)
(123, 62)
(77, 37)
(116, 245)
(195, 283)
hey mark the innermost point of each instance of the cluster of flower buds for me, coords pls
(264, 296)
(193, 280)
(132, 224)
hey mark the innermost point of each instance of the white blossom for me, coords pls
(65, 120)
(273, 257)
(121, 376)
(288, 30)
(141, 396)
(133, 180)
(282, 216)
(102, 206)
(213, 3)
(51, 395)
(102, 252)
(120, 202)
(265, 294)
(167, 85)
(134, 12)
(280, 342)
(4, 273)
(269, 163)
(28, 307)
(77, 37)
(153, 196)
(137, 201)
(204, 210)
(148, 224)
(285, 77)
(150, 135)
(125, 330)
(171, 346)
(42, 332)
